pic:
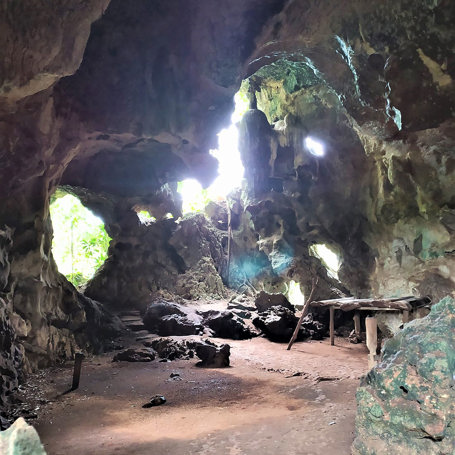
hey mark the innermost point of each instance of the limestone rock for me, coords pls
(170, 349)
(407, 403)
(135, 355)
(264, 301)
(277, 323)
(225, 324)
(213, 356)
(166, 318)
(20, 439)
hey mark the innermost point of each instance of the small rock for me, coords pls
(156, 400)
(135, 355)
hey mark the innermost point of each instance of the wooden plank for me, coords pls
(357, 323)
(332, 326)
(349, 304)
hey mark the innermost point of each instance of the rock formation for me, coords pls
(118, 101)
(20, 439)
(406, 403)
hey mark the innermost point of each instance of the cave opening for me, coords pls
(80, 242)
(230, 167)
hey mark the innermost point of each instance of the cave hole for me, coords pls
(230, 167)
(314, 146)
(295, 294)
(330, 260)
(145, 217)
(80, 241)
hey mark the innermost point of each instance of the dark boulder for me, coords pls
(167, 318)
(312, 329)
(169, 349)
(135, 355)
(264, 301)
(213, 356)
(225, 324)
(277, 323)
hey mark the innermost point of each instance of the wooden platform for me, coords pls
(405, 305)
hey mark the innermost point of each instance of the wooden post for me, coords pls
(371, 325)
(405, 317)
(77, 370)
(332, 325)
(305, 309)
(357, 324)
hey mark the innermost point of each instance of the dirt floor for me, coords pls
(269, 401)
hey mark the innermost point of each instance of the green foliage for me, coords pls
(194, 197)
(80, 241)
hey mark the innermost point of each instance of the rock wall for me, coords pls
(375, 84)
(406, 404)
(112, 97)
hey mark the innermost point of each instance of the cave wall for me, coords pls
(113, 97)
(374, 83)
(117, 99)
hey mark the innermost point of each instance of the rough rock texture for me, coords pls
(170, 349)
(165, 318)
(120, 100)
(186, 259)
(20, 439)
(277, 323)
(374, 83)
(406, 404)
(213, 356)
(264, 301)
(225, 324)
(135, 355)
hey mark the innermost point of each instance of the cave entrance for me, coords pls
(295, 294)
(80, 241)
(329, 259)
(230, 167)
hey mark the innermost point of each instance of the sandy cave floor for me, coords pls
(270, 401)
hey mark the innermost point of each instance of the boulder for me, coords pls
(406, 404)
(225, 324)
(169, 349)
(312, 329)
(277, 323)
(167, 318)
(20, 439)
(135, 355)
(213, 356)
(264, 301)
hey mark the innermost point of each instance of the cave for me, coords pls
(328, 217)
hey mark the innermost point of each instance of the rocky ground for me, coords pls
(269, 400)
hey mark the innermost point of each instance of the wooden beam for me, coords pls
(305, 309)
(332, 326)
(349, 304)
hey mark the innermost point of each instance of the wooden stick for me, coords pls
(77, 370)
(332, 326)
(305, 309)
